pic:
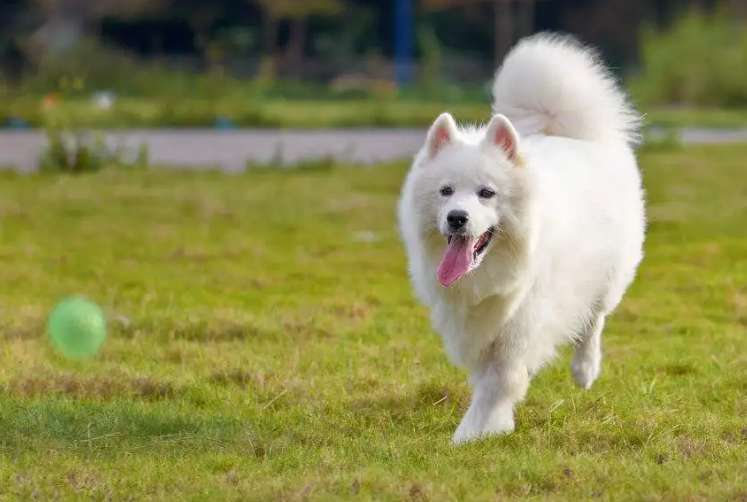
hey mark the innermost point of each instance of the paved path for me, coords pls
(231, 150)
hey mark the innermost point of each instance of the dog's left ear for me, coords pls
(442, 132)
(500, 133)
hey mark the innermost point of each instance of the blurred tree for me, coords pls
(512, 19)
(13, 23)
(65, 21)
(341, 35)
(201, 16)
(607, 23)
(297, 13)
(738, 7)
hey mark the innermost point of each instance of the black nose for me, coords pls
(457, 219)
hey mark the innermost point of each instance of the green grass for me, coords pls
(676, 117)
(276, 113)
(264, 344)
(177, 112)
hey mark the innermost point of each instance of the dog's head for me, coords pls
(463, 189)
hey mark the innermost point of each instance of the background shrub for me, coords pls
(700, 60)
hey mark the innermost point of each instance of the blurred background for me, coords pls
(341, 63)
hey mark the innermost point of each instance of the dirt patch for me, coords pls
(240, 378)
(103, 388)
(215, 331)
(680, 369)
(354, 312)
(689, 447)
(417, 492)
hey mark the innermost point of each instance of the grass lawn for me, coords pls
(726, 118)
(299, 113)
(264, 344)
(178, 112)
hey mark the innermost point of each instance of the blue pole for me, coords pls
(403, 21)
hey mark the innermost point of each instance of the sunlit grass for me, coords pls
(264, 343)
(296, 113)
(235, 112)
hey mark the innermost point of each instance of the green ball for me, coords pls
(77, 328)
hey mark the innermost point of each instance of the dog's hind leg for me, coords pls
(587, 361)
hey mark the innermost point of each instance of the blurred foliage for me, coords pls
(148, 94)
(311, 39)
(90, 66)
(234, 112)
(700, 60)
(307, 113)
(431, 56)
(74, 150)
(98, 8)
(294, 9)
(330, 65)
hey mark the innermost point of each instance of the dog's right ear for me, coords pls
(442, 132)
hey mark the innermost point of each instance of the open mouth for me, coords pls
(463, 254)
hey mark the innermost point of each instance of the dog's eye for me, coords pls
(446, 191)
(486, 193)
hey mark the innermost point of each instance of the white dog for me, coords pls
(525, 234)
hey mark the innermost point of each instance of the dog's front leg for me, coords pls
(498, 386)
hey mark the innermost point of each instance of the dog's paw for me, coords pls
(466, 432)
(585, 370)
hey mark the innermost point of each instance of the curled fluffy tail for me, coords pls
(553, 85)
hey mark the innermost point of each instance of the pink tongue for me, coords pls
(456, 261)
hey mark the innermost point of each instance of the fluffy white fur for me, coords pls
(568, 220)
